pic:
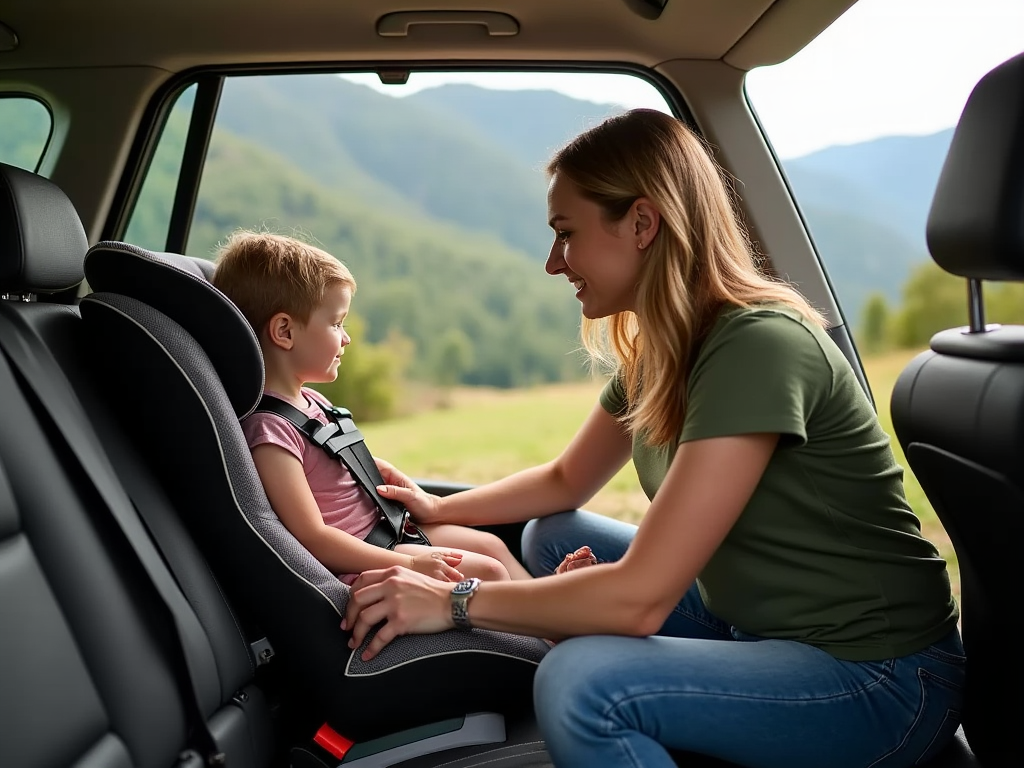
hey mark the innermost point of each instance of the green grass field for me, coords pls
(483, 435)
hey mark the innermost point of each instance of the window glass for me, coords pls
(26, 129)
(465, 362)
(861, 120)
(151, 216)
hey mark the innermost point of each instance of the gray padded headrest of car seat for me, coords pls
(976, 223)
(179, 287)
(42, 240)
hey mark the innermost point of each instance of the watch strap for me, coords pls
(460, 595)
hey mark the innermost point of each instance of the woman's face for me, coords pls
(601, 259)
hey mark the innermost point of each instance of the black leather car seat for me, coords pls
(958, 409)
(88, 675)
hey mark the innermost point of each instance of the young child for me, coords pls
(296, 297)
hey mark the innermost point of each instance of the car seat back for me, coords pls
(958, 409)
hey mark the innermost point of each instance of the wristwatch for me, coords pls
(464, 590)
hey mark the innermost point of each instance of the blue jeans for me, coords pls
(703, 686)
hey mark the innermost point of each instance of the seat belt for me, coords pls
(48, 386)
(341, 440)
(164, 535)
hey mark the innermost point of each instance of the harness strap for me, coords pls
(341, 440)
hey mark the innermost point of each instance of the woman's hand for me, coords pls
(437, 565)
(423, 506)
(412, 604)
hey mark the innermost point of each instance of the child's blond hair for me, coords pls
(264, 273)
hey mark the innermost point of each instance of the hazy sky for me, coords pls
(885, 67)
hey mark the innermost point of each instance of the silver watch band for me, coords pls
(460, 595)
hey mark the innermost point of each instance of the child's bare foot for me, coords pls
(581, 558)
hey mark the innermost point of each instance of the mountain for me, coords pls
(866, 206)
(403, 154)
(530, 124)
(900, 172)
(861, 256)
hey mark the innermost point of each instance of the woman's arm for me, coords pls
(600, 448)
(705, 491)
(288, 491)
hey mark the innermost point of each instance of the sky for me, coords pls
(886, 67)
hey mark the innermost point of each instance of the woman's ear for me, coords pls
(279, 330)
(647, 220)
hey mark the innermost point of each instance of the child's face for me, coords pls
(320, 343)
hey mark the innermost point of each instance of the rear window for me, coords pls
(26, 125)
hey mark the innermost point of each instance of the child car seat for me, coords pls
(184, 367)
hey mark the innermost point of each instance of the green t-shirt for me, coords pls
(827, 551)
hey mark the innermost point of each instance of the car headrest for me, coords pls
(976, 223)
(179, 287)
(42, 240)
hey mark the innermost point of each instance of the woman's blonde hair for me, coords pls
(700, 261)
(265, 273)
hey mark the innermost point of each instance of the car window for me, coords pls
(26, 130)
(465, 362)
(861, 140)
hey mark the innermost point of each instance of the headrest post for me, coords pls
(975, 306)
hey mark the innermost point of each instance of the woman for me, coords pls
(777, 606)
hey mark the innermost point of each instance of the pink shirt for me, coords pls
(342, 501)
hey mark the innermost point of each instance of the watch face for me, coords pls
(465, 587)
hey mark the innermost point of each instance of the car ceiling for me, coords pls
(176, 35)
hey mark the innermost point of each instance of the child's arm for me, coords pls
(289, 494)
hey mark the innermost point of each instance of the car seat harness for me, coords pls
(342, 441)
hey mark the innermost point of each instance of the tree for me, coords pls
(370, 376)
(1004, 303)
(453, 356)
(933, 300)
(874, 327)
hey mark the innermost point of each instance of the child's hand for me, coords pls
(581, 558)
(437, 565)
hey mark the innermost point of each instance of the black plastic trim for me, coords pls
(844, 340)
(647, 9)
(204, 111)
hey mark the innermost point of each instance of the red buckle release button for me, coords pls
(332, 741)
